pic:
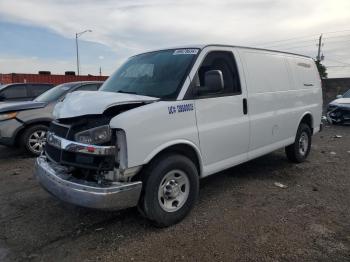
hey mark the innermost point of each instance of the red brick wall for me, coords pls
(51, 79)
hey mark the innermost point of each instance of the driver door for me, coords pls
(222, 120)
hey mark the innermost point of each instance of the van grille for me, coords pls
(53, 153)
(67, 130)
(58, 129)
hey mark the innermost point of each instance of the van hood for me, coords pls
(94, 102)
(19, 106)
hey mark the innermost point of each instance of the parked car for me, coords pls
(167, 118)
(22, 92)
(25, 123)
(338, 111)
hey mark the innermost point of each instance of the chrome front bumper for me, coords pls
(71, 146)
(82, 193)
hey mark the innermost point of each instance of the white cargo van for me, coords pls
(167, 118)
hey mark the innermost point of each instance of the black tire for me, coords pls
(294, 152)
(154, 175)
(26, 136)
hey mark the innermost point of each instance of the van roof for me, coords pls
(237, 46)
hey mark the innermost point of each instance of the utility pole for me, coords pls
(77, 48)
(319, 58)
(100, 71)
(77, 35)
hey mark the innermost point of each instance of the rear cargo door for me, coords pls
(269, 104)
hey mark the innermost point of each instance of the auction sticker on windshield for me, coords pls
(185, 52)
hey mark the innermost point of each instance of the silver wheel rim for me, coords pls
(37, 140)
(303, 143)
(173, 190)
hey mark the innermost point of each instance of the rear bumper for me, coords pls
(82, 193)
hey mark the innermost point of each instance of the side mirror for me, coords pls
(213, 81)
(339, 96)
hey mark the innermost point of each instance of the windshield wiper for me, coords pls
(126, 92)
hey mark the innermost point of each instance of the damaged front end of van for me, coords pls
(84, 162)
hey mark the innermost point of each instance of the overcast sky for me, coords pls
(39, 34)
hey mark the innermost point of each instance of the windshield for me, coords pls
(54, 94)
(347, 94)
(157, 74)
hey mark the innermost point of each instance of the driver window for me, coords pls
(223, 61)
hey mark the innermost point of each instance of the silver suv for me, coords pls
(25, 123)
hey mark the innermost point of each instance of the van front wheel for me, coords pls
(170, 189)
(299, 151)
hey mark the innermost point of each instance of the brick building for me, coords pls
(47, 77)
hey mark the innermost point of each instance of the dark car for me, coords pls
(22, 92)
(25, 123)
(338, 111)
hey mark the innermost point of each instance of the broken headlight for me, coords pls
(94, 136)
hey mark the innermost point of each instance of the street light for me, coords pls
(77, 46)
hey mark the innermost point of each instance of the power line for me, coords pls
(331, 49)
(334, 60)
(310, 41)
(336, 56)
(335, 66)
(297, 42)
(337, 41)
(336, 36)
(289, 39)
(301, 37)
(298, 46)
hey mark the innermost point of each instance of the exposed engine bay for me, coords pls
(339, 114)
(95, 153)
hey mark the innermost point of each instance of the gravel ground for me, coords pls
(240, 216)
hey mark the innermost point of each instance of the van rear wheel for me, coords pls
(300, 149)
(170, 189)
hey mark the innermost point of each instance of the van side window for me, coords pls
(223, 61)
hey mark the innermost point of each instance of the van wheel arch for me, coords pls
(182, 149)
(308, 120)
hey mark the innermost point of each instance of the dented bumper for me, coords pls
(62, 185)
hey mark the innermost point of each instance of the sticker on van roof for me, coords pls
(185, 52)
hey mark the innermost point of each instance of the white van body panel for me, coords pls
(278, 97)
(280, 89)
(151, 128)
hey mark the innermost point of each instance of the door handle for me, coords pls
(308, 85)
(245, 106)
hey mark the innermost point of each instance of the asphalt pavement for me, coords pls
(241, 215)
